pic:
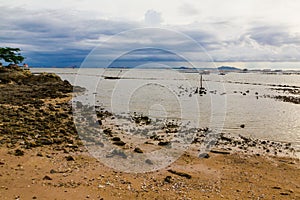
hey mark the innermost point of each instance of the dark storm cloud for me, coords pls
(63, 38)
(57, 39)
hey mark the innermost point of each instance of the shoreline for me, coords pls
(42, 156)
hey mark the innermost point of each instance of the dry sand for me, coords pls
(233, 176)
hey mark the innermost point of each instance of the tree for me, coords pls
(11, 55)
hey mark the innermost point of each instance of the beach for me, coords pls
(43, 156)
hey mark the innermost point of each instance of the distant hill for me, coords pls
(228, 68)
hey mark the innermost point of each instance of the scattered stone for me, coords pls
(164, 143)
(276, 187)
(69, 158)
(52, 171)
(19, 152)
(39, 154)
(149, 162)
(141, 119)
(204, 155)
(242, 125)
(116, 152)
(219, 152)
(284, 193)
(116, 139)
(107, 132)
(48, 156)
(180, 174)
(119, 143)
(168, 179)
(138, 150)
(47, 178)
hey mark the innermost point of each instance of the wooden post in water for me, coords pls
(201, 81)
(202, 90)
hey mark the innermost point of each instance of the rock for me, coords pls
(19, 152)
(119, 143)
(276, 187)
(107, 132)
(284, 193)
(149, 162)
(44, 141)
(69, 158)
(180, 174)
(52, 171)
(219, 152)
(164, 143)
(204, 155)
(138, 150)
(228, 139)
(116, 139)
(117, 152)
(168, 179)
(242, 125)
(48, 178)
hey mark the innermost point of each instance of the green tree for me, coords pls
(11, 55)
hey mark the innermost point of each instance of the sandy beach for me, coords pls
(42, 156)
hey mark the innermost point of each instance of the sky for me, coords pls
(66, 32)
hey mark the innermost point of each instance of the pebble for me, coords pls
(19, 152)
(47, 178)
(204, 155)
(138, 150)
(69, 158)
(148, 161)
(168, 179)
(119, 143)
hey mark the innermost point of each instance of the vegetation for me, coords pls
(11, 55)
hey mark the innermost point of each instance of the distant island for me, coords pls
(228, 68)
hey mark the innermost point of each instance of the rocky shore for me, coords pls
(43, 157)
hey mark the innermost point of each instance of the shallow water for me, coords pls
(170, 94)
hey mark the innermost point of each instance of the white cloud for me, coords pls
(188, 9)
(153, 18)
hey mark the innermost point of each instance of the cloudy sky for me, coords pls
(63, 32)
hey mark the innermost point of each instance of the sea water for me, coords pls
(231, 100)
